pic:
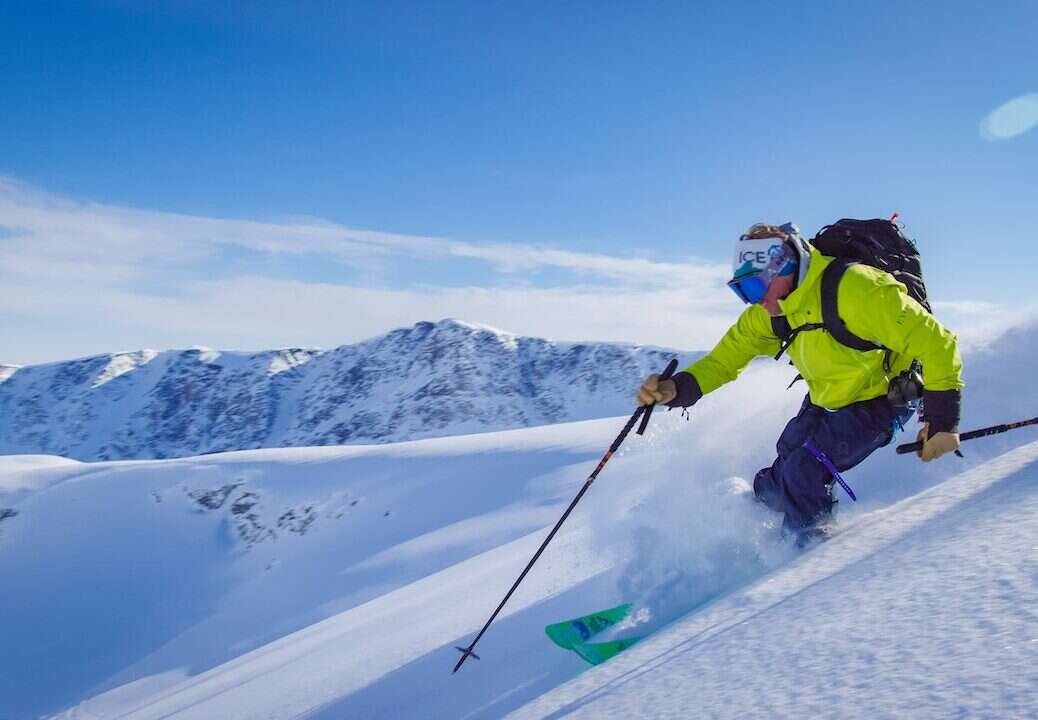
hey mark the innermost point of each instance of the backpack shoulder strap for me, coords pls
(831, 319)
(780, 326)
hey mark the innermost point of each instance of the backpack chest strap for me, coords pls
(787, 334)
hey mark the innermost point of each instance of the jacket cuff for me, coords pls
(941, 409)
(688, 390)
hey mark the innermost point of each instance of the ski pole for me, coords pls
(643, 410)
(972, 434)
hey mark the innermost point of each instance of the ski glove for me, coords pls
(654, 390)
(940, 444)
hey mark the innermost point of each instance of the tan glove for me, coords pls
(940, 444)
(654, 390)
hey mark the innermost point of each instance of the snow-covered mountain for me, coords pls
(429, 380)
(328, 583)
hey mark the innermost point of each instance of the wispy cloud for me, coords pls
(79, 277)
(632, 271)
(62, 228)
(979, 324)
(1011, 119)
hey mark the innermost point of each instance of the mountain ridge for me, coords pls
(429, 380)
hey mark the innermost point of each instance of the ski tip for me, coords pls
(598, 653)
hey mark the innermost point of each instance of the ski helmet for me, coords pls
(763, 253)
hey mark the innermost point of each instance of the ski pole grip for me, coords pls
(972, 434)
(665, 375)
(909, 448)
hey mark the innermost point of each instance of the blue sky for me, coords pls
(563, 171)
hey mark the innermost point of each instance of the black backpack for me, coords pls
(878, 243)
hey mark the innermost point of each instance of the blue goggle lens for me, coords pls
(750, 289)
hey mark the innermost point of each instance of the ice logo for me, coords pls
(760, 258)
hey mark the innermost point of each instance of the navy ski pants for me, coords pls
(797, 484)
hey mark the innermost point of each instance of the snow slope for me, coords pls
(429, 380)
(130, 569)
(924, 609)
(334, 582)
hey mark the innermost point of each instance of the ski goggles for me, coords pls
(758, 261)
(751, 288)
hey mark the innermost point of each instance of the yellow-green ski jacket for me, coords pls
(874, 306)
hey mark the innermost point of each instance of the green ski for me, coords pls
(570, 633)
(598, 653)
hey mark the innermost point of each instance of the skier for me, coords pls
(853, 405)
